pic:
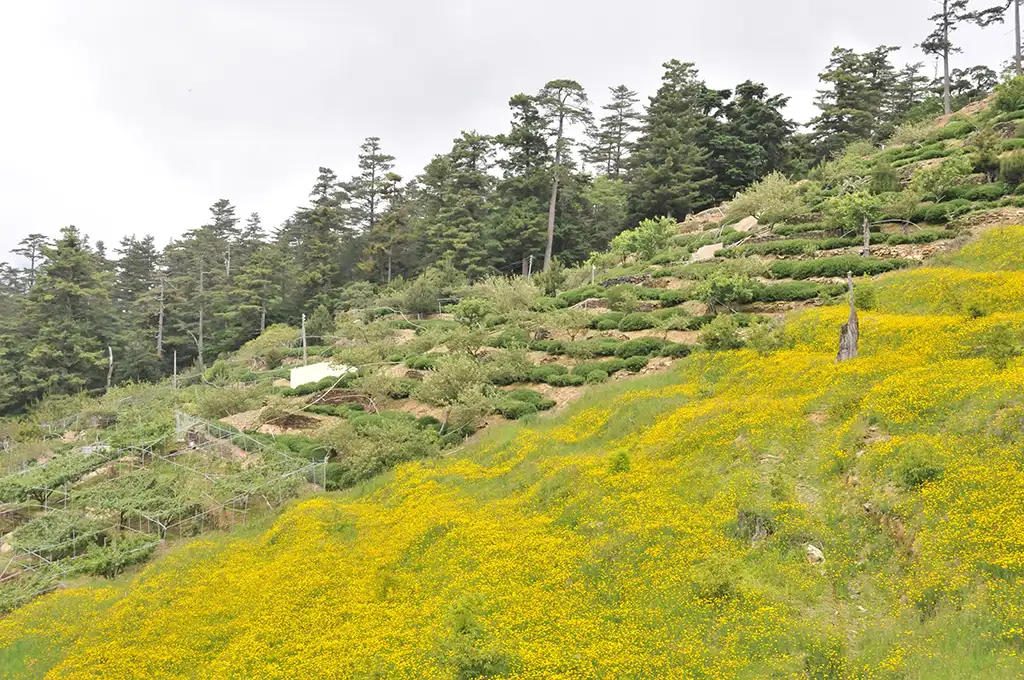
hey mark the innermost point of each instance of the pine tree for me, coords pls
(67, 321)
(250, 239)
(321, 242)
(751, 142)
(457, 193)
(368, 189)
(951, 14)
(610, 143)
(257, 291)
(667, 173)
(32, 249)
(523, 192)
(389, 247)
(563, 103)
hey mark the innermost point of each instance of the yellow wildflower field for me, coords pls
(659, 530)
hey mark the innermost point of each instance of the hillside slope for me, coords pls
(659, 529)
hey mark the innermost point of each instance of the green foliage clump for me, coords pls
(619, 462)
(883, 178)
(636, 322)
(676, 350)
(834, 267)
(955, 129)
(773, 199)
(421, 363)
(724, 289)
(647, 239)
(639, 347)
(722, 334)
(937, 181)
(578, 295)
(1010, 95)
(1011, 168)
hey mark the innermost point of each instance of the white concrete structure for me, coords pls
(303, 375)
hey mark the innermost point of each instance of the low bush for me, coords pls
(981, 192)
(942, 212)
(548, 304)
(574, 297)
(594, 347)
(513, 409)
(1010, 95)
(545, 372)
(421, 363)
(565, 380)
(925, 236)
(672, 298)
(636, 322)
(609, 320)
(639, 347)
(596, 376)
(675, 350)
(511, 337)
(789, 291)
(792, 229)
(722, 334)
(549, 346)
(1011, 168)
(834, 266)
(955, 129)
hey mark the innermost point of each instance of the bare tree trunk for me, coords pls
(263, 317)
(1016, 32)
(867, 239)
(551, 222)
(525, 266)
(202, 314)
(849, 336)
(174, 380)
(946, 99)
(160, 325)
(389, 265)
(110, 366)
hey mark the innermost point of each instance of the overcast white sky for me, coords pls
(127, 116)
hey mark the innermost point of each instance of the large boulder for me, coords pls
(706, 253)
(746, 225)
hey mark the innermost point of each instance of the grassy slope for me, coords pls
(538, 555)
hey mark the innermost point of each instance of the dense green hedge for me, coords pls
(834, 266)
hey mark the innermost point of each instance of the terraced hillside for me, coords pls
(761, 512)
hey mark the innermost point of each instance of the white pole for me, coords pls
(305, 357)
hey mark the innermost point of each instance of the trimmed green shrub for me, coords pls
(565, 380)
(955, 129)
(513, 409)
(635, 364)
(594, 347)
(578, 295)
(548, 304)
(549, 346)
(926, 236)
(676, 350)
(672, 298)
(544, 372)
(421, 363)
(834, 266)
(596, 376)
(639, 321)
(611, 319)
(981, 192)
(639, 347)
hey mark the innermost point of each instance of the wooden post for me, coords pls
(593, 273)
(849, 336)
(529, 268)
(174, 380)
(867, 239)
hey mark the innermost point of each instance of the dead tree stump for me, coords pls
(849, 336)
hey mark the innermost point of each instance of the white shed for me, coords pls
(303, 375)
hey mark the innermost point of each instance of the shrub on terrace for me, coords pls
(647, 239)
(773, 199)
(1010, 95)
